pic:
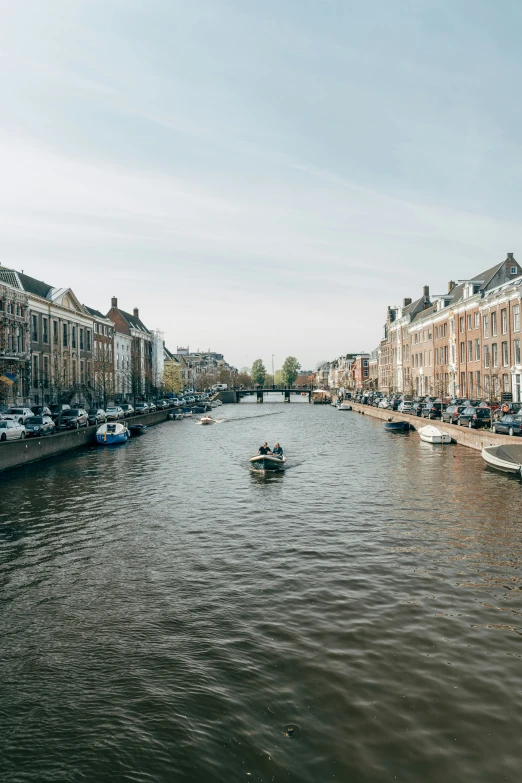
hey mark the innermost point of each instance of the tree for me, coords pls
(290, 370)
(172, 377)
(258, 372)
(244, 378)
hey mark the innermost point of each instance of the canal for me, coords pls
(166, 615)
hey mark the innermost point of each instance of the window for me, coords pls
(477, 320)
(452, 326)
(105, 330)
(461, 322)
(516, 318)
(365, 363)
(485, 324)
(462, 353)
(494, 354)
(34, 335)
(46, 372)
(88, 335)
(82, 371)
(477, 381)
(81, 339)
(95, 328)
(35, 371)
(463, 383)
(469, 321)
(55, 332)
(436, 356)
(513, 270)
(505, 383)
(64, 335)
(73, 336)
(486, 385)
(471, 384)
(505, 361)
(366, 373)
(486, 356)
(470, 350)
(453, 353)
(516, 351)
(45, 336)
(436, 332)
(493, 324)
(444, 330)
(504, 322)
(477, 350)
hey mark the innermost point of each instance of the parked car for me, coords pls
(21, 414)
(74, 418)
(152, 407)
(416, 408)
(56, 408)
(383, 403)
(127, 409)
(452, 413)
(510, 425)
(114, 412)
(474, 417)
(162, 405)
(142, 407)
(405, 406)
(40, 410)
(39, 425)
(96, 416)
(11, 430)
(431, 410)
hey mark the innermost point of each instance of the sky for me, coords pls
(259, 176)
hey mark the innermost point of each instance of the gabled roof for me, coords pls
(25, 283)
(95, 313)
(134, 322)
(488, 275)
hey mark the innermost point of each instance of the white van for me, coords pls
(219, 387)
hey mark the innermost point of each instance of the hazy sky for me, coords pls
(259, 176)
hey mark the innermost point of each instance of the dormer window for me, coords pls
(513, 270)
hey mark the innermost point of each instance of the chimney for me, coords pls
(406, 302)
(426, 291)
(136, 312)
(114, 302)
(451, 286)
(510, 257)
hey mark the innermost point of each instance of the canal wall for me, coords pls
(14, 454)
(473, 439)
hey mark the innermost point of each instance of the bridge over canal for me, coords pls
(236, 395)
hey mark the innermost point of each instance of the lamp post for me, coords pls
(273, 375)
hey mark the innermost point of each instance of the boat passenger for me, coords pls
(277, 451)
(264, 449)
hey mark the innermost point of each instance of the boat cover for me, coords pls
(509, 453)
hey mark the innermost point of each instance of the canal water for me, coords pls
(166, 615)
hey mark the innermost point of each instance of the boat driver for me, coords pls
(277, 450)
(264, 449)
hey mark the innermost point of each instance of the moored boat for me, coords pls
(207, 420)
(176, 416)
(187, 412)
(344, 406)
(431, 434)
(506, 458)
(267, 462)
(397, 426)
(137, 429)
(112, 433)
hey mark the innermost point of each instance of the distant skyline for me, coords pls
(259, 177)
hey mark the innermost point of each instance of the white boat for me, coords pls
(344, 406)
(431, 434)
(174, 416)
(207, 420)
(112, 433)
(507, 458)
(267, 462)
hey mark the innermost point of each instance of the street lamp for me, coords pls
(273, 375)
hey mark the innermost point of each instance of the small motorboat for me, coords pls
(176, 416)
(187, 412)
(112, 433)
(207, 420)
(344, 406)
(137, 429)
(431, 434)
(507, 458)
(267, 462)
(397, 426)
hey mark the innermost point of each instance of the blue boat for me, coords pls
(112, 433)
(397, 426)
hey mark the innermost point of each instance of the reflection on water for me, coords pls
(170, 615)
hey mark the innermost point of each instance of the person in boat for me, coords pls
(264, 449)
(277, 451)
